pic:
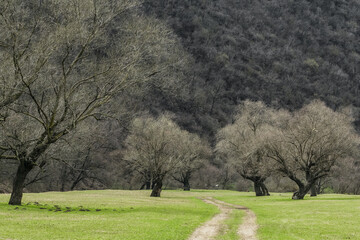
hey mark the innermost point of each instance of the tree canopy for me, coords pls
(309, 145)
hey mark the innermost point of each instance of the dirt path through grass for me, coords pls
(246, 231)
(211, 228)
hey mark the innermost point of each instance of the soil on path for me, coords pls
(248, 227)
(208, 231)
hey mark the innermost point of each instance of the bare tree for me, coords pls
(60, 64)
(243, 143)
(157, 146)
(194, 152)
(82, 169)
(308, 146)
(345, 176)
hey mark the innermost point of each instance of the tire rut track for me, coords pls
(210, 229)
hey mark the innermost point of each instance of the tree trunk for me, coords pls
(311, 183)
(146, 185)
(63, 179)
(186, 184)
(259, 185)
(157, 188)
(186, 180)
(226, 179)
(62, 189)
(299, 194)
(313, 191)
(319, 186)
(264, 189)
(257, 188)
(147, 181)
(303, 190)
(75, 183)
(18, 185)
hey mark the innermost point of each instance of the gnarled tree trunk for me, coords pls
(264, 189)
(259, 185)
(300, 194)
(18, 185)
(303, 190)
(257, 188)
(157, 188)
(260, 188)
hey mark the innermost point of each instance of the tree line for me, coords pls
(99, 94)
(303, 145)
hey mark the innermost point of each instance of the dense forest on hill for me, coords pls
(194, 61)
(282, 52)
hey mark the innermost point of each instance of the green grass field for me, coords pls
(112, 215)
(125, 215)
(318, 218)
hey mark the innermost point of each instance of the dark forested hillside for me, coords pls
(283, 52)
(193, 60)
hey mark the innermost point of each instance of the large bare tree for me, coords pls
(306, 148)
(243, 143)
(61, 62)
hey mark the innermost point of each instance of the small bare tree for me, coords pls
(243, 143)
(194, 152)
(306, 148)
(61, 62)
(345, 176)
(157, 146)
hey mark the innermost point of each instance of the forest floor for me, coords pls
(117, 214)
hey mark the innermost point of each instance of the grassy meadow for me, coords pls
(103, 215)
(112, 214)
(329, 216)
